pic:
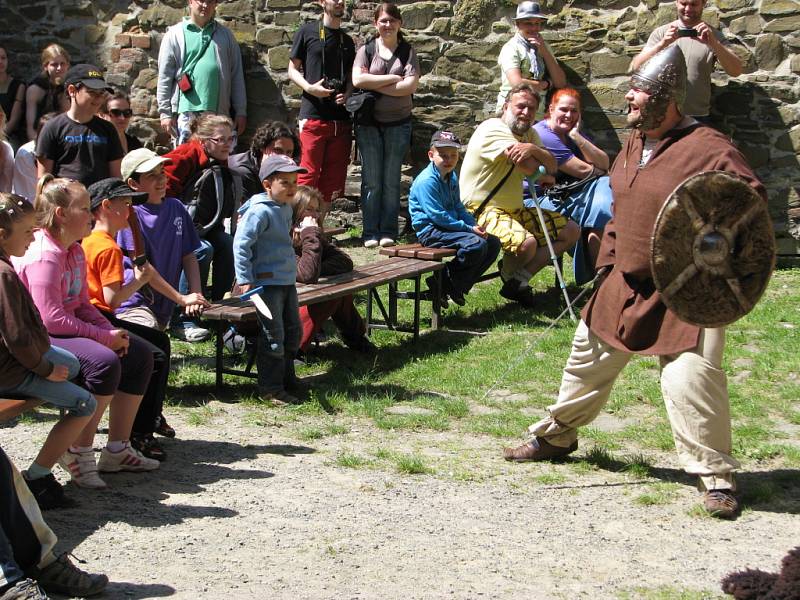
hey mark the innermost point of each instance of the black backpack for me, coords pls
(191, 195)
(361, 103)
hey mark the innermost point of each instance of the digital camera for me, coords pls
(332, 83)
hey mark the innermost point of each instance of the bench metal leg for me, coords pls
(393, 301)
(218, 348)
(390, 324)
(416, 307)
(369, 312)
(436, 304)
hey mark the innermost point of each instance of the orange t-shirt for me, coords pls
(103, 266)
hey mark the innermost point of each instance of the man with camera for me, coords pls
(702, 45)
(199, 71)
(321, 62)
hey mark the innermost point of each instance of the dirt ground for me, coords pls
(246, 510)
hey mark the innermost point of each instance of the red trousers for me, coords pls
(344, 315)
(325, 153)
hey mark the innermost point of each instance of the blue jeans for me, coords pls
(216, 246)
(278, 339)
(382, 151)
(474, 255)
(78, 401)
(590, 207)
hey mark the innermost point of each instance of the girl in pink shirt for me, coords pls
(115, 365)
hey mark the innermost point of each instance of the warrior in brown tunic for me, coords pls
(626, 315)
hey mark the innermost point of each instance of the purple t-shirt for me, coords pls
(556, 146)
(169, 235)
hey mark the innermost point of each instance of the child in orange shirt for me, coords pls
(111, 200)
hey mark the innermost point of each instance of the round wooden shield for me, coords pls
(713, 249)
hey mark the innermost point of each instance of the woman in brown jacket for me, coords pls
(317, 257)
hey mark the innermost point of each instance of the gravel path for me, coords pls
(242, 511)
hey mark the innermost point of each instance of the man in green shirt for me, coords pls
(199, 70)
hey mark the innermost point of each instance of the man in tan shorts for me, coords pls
(501, 153)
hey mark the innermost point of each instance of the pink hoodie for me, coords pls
(56, 279)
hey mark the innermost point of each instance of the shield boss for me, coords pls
(713, 249)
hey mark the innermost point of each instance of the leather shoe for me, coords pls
(721, 504)
(538, 449)
(512, 290)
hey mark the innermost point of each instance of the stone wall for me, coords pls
(458, 43)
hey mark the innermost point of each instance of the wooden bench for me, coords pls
(362, 278)
(13, 407)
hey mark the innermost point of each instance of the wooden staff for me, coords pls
(139, 253)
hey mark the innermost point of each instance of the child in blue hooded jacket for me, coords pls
(264, 256)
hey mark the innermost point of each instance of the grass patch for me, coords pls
(202, 415)
(658, 494)
(309, 434)
(552, 478)
(349, 460)
(411, 464)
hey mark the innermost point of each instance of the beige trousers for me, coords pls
(695, 393)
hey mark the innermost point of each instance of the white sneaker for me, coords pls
(387, 242)
(127, 459)
(371, 244)
(82, 469)
(189, 331)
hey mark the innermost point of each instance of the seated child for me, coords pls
(441, 220)
(111, 203)
(317, 257)
(170, 242)
(115, 365)
(263, 256)
(29, 365)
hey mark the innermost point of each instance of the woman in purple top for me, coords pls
(115, 365)
(578, 160)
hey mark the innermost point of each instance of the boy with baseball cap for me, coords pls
(78, 144)
(110, 202)
(441, 221)
(263, 256)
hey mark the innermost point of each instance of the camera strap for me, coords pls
(323, 40)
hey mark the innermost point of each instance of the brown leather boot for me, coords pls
(538, 449)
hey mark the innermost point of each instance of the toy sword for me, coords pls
(255, 298)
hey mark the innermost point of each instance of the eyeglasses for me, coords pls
(120, 112)
(225, 141)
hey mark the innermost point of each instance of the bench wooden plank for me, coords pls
(363, 278)
(359, 279)
(418, 251)
(12, 407)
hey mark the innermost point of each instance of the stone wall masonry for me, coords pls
(458, 43)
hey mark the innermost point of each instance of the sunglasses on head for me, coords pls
(120, 112)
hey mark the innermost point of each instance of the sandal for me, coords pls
(148, 446)
(163, 428)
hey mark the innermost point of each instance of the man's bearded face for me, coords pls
(520, 112)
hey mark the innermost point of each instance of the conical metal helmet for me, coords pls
(664, 78)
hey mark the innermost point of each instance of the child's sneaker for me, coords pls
(62, 577)
(83, 469)
(127, 459)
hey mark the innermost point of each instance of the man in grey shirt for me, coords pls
(702, 46)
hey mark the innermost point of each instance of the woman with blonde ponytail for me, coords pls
(115, 365)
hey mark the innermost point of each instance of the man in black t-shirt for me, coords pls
(78, 144)
(325, 125)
